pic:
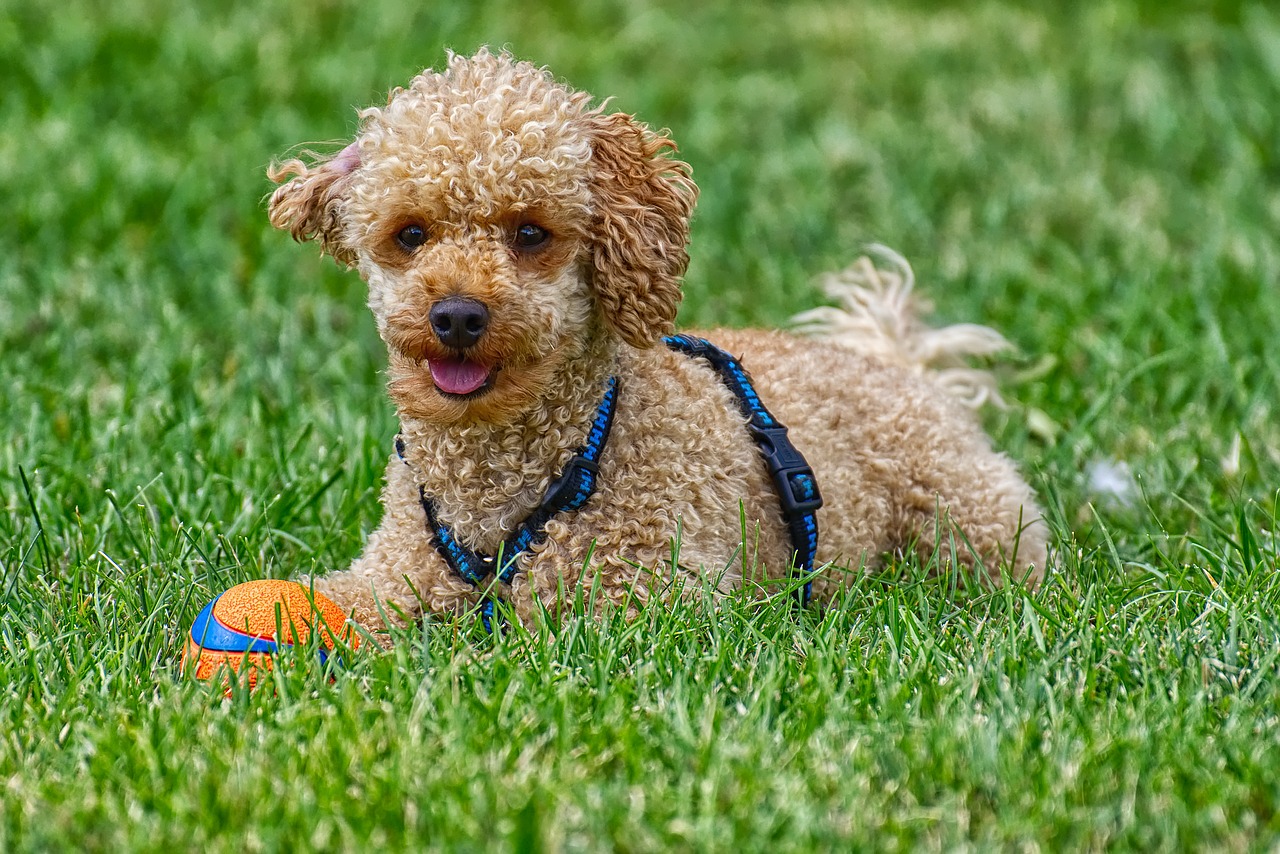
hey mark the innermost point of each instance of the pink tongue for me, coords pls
(457, 376)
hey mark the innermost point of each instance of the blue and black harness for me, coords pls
(792, 478)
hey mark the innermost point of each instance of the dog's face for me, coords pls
(502, 226)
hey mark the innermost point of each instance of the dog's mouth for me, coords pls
(459, 377)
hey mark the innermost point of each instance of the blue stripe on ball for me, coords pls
(208, 633)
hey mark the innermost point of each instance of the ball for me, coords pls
(245, 626)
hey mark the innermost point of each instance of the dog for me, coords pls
(523, 251)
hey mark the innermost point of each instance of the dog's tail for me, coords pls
(879, 316)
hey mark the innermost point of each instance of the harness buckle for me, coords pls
(792, 477)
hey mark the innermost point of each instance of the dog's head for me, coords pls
(503, 226)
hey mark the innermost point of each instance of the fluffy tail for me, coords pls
(878, 316)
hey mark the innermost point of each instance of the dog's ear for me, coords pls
(307, 205)
(640, 227)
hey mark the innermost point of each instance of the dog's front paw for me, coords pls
(358, 604)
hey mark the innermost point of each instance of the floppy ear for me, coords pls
(307, 206)
(642, 201)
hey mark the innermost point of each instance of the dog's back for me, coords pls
(900, 460)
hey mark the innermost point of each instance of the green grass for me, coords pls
(190, 401)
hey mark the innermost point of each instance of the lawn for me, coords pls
(189, 400)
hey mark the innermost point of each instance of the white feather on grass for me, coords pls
(878, 316)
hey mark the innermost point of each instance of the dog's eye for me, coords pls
(411, 236)
(530, 236)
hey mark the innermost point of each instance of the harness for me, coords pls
(793, 481)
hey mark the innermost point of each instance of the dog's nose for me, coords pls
(459, 321)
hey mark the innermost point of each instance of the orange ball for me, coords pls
(246, 625)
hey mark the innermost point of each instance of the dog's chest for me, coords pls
(484, 483)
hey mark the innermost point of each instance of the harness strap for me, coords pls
(567, 493)
(791, 474)
(793, 480)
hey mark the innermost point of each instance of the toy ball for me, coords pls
(246, 625)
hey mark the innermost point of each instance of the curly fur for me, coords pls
(489, 145)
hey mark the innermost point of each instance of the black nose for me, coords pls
(458, 321)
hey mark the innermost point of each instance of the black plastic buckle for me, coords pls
(783, 462)
(562, 490)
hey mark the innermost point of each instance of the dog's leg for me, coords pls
(399, 576)
(600, 574)
(968, 505)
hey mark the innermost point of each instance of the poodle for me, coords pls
(523, 251)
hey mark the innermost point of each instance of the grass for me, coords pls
(191, 401)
